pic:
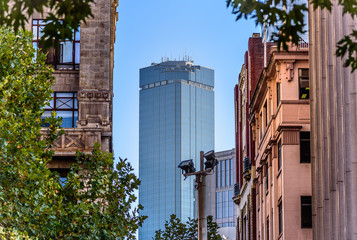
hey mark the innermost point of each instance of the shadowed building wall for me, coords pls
(333, 127)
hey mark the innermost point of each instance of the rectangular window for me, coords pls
(265, 114)
(227, 172)
(66, 55)
(278, 94)
(245, 228)
(231, 172)
(305, 147)
(280, 209)
(65, 105)
(261, 125)
(267, 178)
(218, 205)
(225, 204)
(304, 83)
(230, 203)
(267, 228)
(279, 155)
(62, 172)
(218, 177)
(223, 171)
(306, 212)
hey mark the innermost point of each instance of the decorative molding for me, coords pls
(75, 139)
(290, 138)
(94, 95)
(289, 71)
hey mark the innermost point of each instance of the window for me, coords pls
(265, 114)
(65, 105)
(305, 147)
(223, 171)
(277, 94)
(306, 212)
(228, 170)
(218, 205)
(62, 172)
(230, 203)
(304, 85)
(225, 204)
(268, 228)
(66, 56)
(245, 228)
(280, 209)
(279, 155)
(231, 171)
(267, 178)
(261, 125)
(218, 176)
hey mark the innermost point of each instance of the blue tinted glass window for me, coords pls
(66, 107)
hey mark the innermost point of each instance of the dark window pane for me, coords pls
(280, 208)
(277, 94)
(279, 155)
(306, 212)
(304, 83)
(305, 156)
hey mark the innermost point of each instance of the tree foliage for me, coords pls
(63, 19)
(287, 16)
(177, 230)
(95, 202)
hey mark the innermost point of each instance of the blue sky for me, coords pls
(148, 30)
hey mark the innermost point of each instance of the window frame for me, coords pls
(279, 146)
(306, 203)
(278, 93)
(305, 154)
(303, 77)
(73, 109)
(280, 218)
(55, 54)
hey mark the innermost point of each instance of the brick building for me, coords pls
(245, 153)
(280, 121)
(83, 89)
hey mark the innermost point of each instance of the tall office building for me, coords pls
(176, 123)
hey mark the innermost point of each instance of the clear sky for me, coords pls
(148, 30)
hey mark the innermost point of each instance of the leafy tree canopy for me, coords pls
(287, 16)
(63, 19)
(94, 203)
(177, 230)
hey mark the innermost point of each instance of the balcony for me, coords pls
(236, 197)
(246, 168)
(75, 139)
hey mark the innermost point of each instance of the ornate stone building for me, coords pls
(333, 127)
(245, 191)
(280, 121)
(83, 89)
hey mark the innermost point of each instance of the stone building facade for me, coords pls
(333, 127)
(219, 194)
(245, 191)
(280, 121)
(83, 89)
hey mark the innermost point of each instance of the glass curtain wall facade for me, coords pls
(176, 123)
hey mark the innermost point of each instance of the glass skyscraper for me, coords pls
(176, 123)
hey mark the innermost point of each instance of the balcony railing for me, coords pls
(246, 164)
(246, 168)
(236, 189)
